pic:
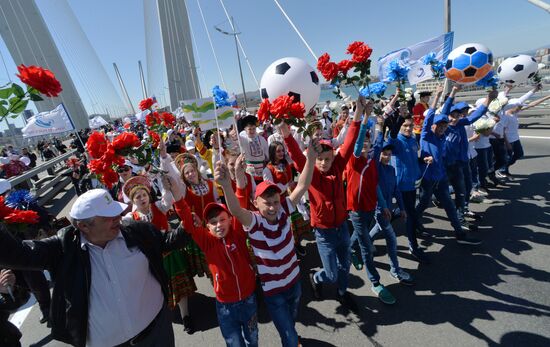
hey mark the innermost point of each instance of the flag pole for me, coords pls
(72, 124)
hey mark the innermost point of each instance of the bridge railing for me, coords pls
(47, 187)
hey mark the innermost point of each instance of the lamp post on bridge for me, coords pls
(234, 34)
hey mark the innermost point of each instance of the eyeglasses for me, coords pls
(123, 169)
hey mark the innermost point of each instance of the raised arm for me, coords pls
(446, 109)
(304, 181)
(361, 138)
(29, 255)
(293, 149)
(536, 102)
(480, 111)
(221, 175)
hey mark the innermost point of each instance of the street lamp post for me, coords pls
(234, 34)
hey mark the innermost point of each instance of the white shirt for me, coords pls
(512, 127)
(124, 294)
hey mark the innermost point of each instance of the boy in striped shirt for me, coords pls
(273, 244)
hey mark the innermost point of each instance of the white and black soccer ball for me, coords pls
(291, 76)
(517, 69)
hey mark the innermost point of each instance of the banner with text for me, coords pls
(52, 122)
(202, 113)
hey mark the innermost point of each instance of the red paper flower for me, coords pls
(96, 144)
(146, 104)
(4, 210)
(109, 177)
(40, 79)
(155, 138)
(168, 119)
(263, 111)
(152, 119)
(353, 46)
(329, 71)
(126, 140)
(322, 61)
(21, 216)
(362, 54)
(345, 65)
(297, 110)
(281, 106)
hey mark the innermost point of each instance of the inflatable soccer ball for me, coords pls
(517, 69)
(294, 77)
(468, 63)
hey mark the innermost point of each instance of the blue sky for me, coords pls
(115, 30)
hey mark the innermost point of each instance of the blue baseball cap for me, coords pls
(439, 118)
(459, 106)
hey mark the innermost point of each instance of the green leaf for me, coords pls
(3, 111)
(3, 102)
(31, 90)
(35, 97)
(6, 92)
(20, 107)
(17, 90)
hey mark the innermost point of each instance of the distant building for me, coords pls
(27, 114)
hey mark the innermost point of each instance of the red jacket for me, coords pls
(362, 181)
(326, 193)
(228, 258)
(418, 116)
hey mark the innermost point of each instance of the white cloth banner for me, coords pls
(412, 57)
(203, 113)
(97, 122)
(52, 122)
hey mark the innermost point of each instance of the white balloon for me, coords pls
(291, 76)
(517, 69)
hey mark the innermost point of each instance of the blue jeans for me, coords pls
(468, 183)
(361, 225)
(473, 171)
(334, 249)
(239, 322)
(441, 191)
(483, 164)
(283, 309)
(409, 200)
(499, 151)
(391, 241)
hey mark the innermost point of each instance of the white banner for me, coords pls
(97, 122)
(53, 122)
(203, 113)
(412, 57)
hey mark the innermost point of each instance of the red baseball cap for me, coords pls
(326, 143)
(265, 185)
(212, 206)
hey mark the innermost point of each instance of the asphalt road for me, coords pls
(493, 294)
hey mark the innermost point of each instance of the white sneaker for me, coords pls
(481, 192)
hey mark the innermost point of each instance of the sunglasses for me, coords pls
(123, 169)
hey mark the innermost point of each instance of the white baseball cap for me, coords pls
(5, 185)
(96, 203)
(189, 145)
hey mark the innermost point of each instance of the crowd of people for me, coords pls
(236, 204)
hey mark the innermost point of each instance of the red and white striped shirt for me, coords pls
(273, 246)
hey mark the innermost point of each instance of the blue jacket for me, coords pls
(453, 146)
(461, 131)
(387, 181)
(431, 145)
(405, 152)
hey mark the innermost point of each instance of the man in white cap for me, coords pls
(110, 288)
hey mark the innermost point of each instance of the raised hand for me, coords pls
(221, 175)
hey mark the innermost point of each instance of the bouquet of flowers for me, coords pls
(484, 126)
(14, 99)
(338, 73)
(14, 218)
(398, 72)
(437, 66)
(221, 98)
(283, 109)
(108, 156)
